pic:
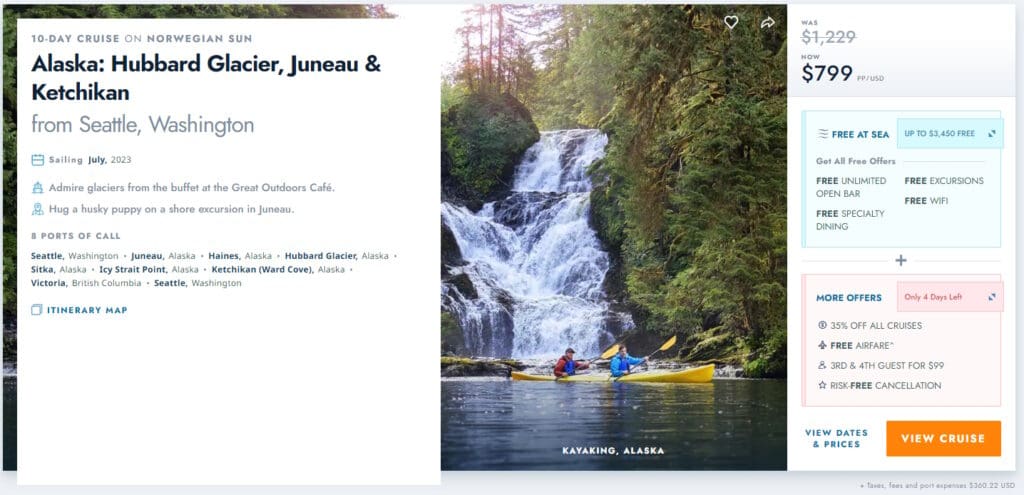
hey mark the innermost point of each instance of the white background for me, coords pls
(290, 379)
(946, 91)
(604, 482)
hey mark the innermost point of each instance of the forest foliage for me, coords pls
(691, 197)
(483, 136)
(485, 127)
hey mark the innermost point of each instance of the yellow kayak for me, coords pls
(700, 374)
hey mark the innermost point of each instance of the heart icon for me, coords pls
(730, 21)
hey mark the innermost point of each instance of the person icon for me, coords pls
(37, 209)
(37, 188)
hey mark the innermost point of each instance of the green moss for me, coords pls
(447, 361)
(766, 363)
(452, 366)
(451, 335)
(714, 345)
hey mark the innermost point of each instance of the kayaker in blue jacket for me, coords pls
(622, 362)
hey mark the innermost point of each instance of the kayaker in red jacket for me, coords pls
(566, 366)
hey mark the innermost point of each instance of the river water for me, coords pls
(504, 425)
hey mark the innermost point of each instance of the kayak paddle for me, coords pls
(664, 347)
(609, 352)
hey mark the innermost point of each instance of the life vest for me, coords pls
(623, 363)
(570, 367)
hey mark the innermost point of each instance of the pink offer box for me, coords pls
(953, 296)
(971, 375)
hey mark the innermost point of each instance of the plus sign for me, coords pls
(901, 260)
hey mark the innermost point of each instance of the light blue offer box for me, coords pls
(949, 133)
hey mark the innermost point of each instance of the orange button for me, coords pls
(943, 438)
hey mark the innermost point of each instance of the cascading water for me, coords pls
(535, 267)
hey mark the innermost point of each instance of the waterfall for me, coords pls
(535, 267)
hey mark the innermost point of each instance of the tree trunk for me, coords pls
(490, 46)
(501, 42)
(480, 26)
